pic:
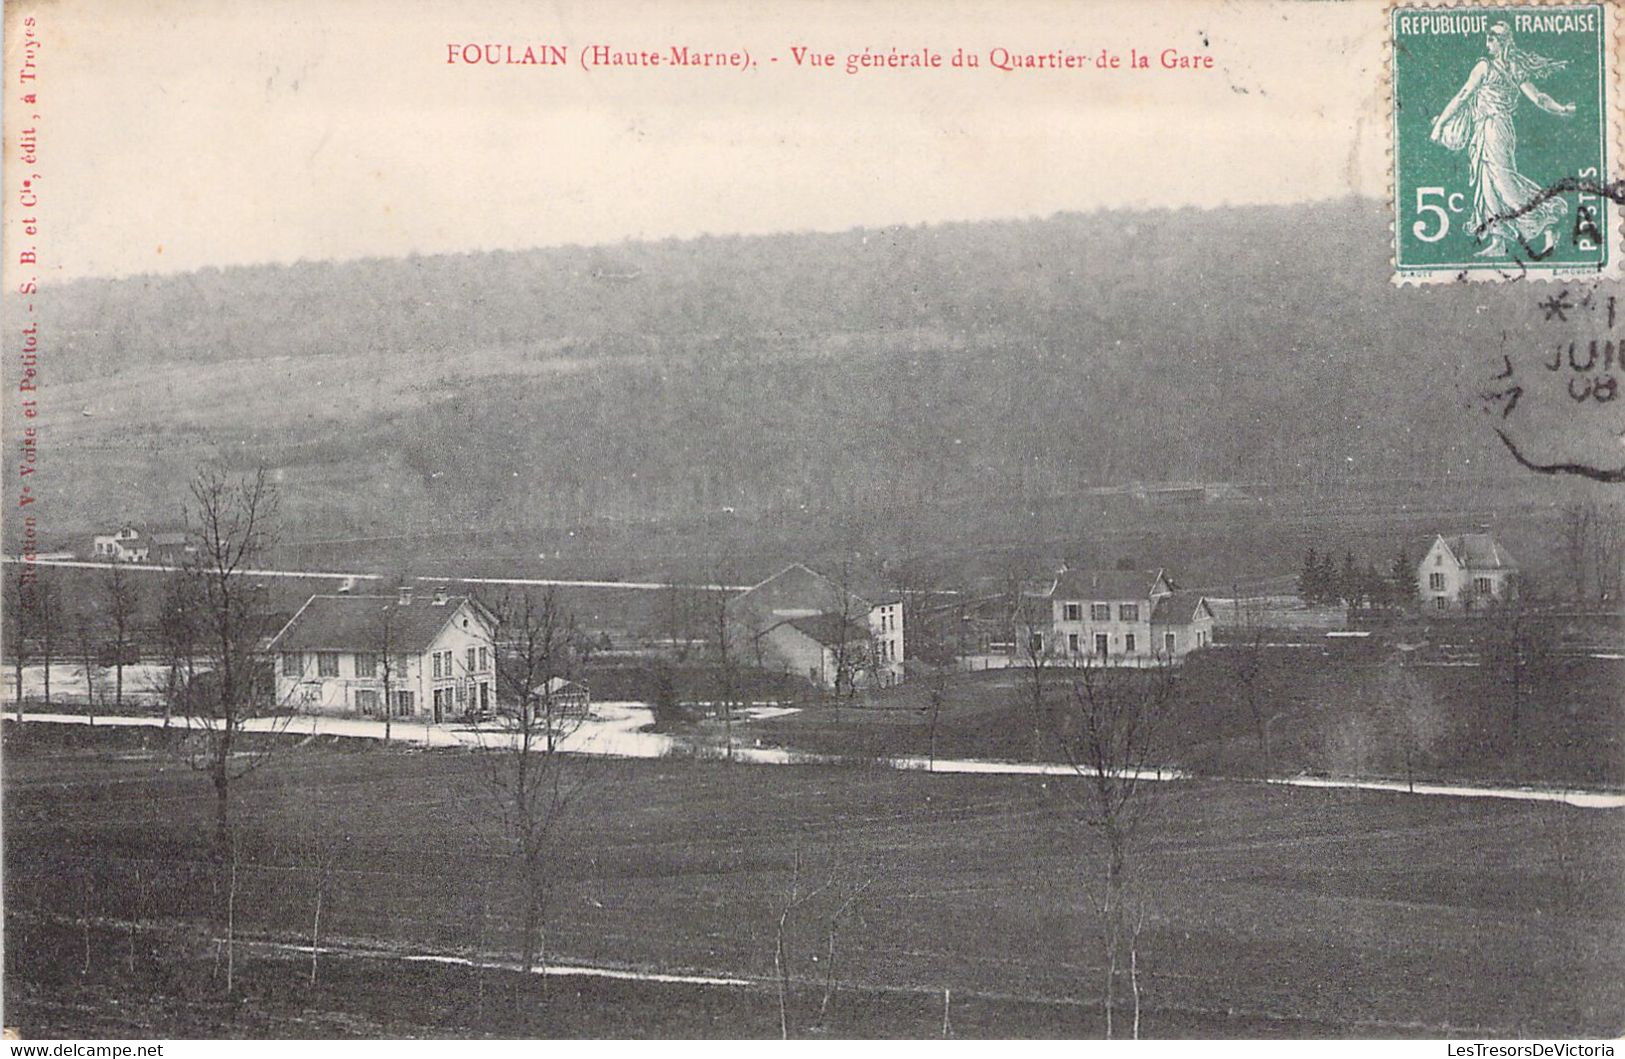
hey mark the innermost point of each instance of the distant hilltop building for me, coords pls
(130, 545)
(124, 545)
(1460, 572)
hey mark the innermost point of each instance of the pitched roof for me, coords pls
(363, 623)
(827, 629)
(1105, 585)
(800, 587)
(554, 685)
(1181, 608)
(1480, 551)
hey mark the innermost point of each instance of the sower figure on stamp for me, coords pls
(1479, 118)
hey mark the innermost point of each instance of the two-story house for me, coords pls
(805, 623)
(1114, 617)
(124, 545)
(431, 657)
(1467, 570)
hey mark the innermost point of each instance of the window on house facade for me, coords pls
(1035, 643)
(327, 663)
(403, 703)
(1436, 582)
(1072, 642)
(1128, 644)
(366, 700)
(485, 659)
(293, 663)
(1440, 603)
(1168, 643)
(1074, 611)
(399, 668)
(1102, 644)
(1482, 586)
(366, 665)
(462, 695)
(485, 696)
(1128, 612)
(470, 657)
(1100, 612)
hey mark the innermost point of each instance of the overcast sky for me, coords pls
(176, 135)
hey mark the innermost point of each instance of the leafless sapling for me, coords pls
(121, 602)
(19, 606)
(1413, 719)
(525, 772)
(1109, 725)
(230, 523)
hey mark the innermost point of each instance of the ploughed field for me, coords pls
(1268, 911)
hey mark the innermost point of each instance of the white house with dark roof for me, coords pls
(1460, 572)
(1116, 617)
(808, 624)
(429, 656)
(124, 545)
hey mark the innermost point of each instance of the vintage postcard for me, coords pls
(813, 520)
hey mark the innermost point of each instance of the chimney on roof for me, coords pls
(404, 594)
(440, 595)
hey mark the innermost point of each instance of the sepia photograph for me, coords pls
(924, 519)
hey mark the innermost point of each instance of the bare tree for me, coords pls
(121, 599)
(1029, 626)
(1577, 521)
(1607, 551)
(1244, 663)
(178, 630)
(388, 666)
(316, 849)
(1413, 720)
(19, 607)
(1514, 647)
(230, 523)
(46, 620)
(1108, 723)
(85, 641)
(725, 662)
(524, 768)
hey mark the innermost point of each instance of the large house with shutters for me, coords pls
(835, 635)
(1467, 570)
(1112, 617)
(425, 656)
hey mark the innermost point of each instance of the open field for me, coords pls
(1298, 912)
(1314, 701)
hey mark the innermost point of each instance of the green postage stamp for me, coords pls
(1504, 142)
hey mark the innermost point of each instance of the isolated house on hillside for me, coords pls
(426, 657)
(1458, 573)
(124, 545)
(1114, 617)
(805, 623)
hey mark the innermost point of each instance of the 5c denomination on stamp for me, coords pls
(1503, 139)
